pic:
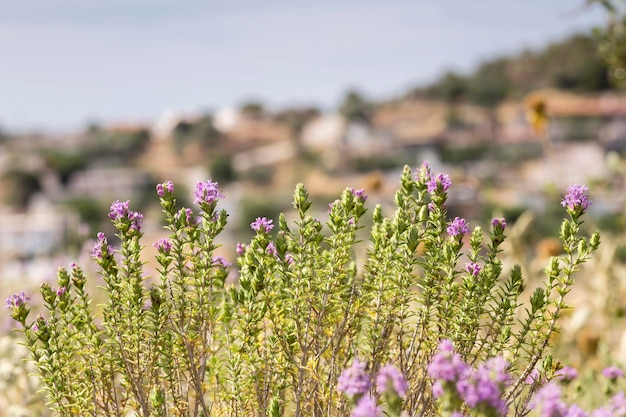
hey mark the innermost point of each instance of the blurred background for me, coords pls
(516, 100)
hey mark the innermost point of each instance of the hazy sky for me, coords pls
(64, 63)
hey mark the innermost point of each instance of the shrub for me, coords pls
(277, 342)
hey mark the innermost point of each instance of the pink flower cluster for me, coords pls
(479, 388)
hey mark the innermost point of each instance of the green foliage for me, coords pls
(118, 144)
(202, 132)
(383, 162)
(65, 163)
(89, 210)
(557, 66)
(20, 186)
(355, 107)
(456, 154)
(190, 344)
(221, 169)
(612, 39)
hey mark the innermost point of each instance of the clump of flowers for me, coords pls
(189, 342)
(576, 200)
(356, 383)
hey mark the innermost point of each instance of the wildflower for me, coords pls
(457, 227)
(163, 245)
(119, 210)
(166, 186)
(289, 259)
(447, 365)
(423, 172)
(473, 268)
(366, 407)
(221, 261)
(17, 300)
(359, 194)
(60, 291)
(532, 377)
(612, 373)
(207, 192)
(548, 399)
(499, 223)
(618, 404)
(567, 374)
(101, 247)
(271, 249)
(354, 380)
(136, 219)
(575, 411)
(485, 386)
(240, 249)
(441, 180)
(262, 224)
(576, 198)
(390, 377)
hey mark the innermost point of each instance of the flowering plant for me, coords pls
(275, 343)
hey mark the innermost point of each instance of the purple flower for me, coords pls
(101, 247)
(271, 249)
(612, 372)
(289, 259)
(60, 291)
(16, 300)
(457, 227)
(166, 186)
(359, 194)
(548, 399)
(354, 380)
(73, 265)
(188, 216)
(567, 374)
(576, 198)
(618, 404)
(499, 223)
(207, 192)
(575, 411)
(241, 248)
(163, 245)
(119, 209)
(136, 219)
(221, 261)
(441, 180)
(485, 386)
(447, 365)
(532, 377)
(262, 224)
(423, 172)
(366, 407)
(473, 268)
(390, 377)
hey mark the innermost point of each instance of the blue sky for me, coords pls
(64, 63)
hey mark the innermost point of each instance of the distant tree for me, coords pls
(451, 87)
(120, 144)
(356, 107)
(202, 131)
(490, 83)
(253, 109)
(65, 164)
(89, 211)
(206, 133)
(612, 39)
(20, 186)
(222, 170)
